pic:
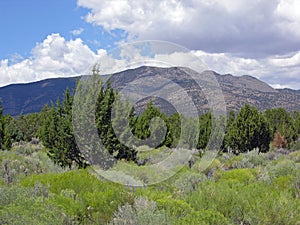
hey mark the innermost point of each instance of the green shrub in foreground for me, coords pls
(82, 195)
(241, 203)
(19, 205)
(141, 212)
(204, 217)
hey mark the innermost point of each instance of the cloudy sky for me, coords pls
(43, 39)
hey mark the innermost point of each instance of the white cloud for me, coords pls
(77, 32)
(279, 86)
(54, 57)
(286, 61)
(243, 27)
(288, 12)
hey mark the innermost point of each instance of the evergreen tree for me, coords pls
(27, 126)
(296, 118)
(174, 130)
(57, 134)
(229, 122)
(230, 118)
(279, 120)
(248, 131)
(154, 136)
(12, 128)
(7, 136)
(107, 121)
(189, 133)
(87, 117)
(205, 125)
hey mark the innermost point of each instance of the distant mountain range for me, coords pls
(237, 90)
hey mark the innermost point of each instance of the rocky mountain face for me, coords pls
(174, 89)
(237, 90)
(246, 89)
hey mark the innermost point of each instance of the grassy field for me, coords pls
(250, 188)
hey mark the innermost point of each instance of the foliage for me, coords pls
(29, 206)
(141, 212)
(204, 217)
(57, 134)
(82, 195)
(155, 128)
(188, 182)
(97, 110)
(246, 203)
(107, 119)
(17, 163)
(296, 118)
(205, 125)
(248, 131)
(282, 126)
(266, 194)
(5, 140)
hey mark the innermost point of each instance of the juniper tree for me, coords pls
(248, 131)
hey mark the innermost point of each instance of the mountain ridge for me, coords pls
(237, 90)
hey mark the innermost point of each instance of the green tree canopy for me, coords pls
(248, 131)
(279, 120)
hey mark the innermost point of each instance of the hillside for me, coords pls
(31, 97)
(237, 91)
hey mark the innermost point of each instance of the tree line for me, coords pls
(245, 130)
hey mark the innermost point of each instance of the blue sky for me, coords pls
(43, 39)
(26, 23)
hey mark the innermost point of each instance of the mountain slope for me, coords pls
(31, 97)
(174, 82)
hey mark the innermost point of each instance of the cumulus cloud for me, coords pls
(244, 27)
(54, 57)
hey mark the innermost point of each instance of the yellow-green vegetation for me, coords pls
(250, 188)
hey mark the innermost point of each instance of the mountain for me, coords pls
(31, 97)
(173, 85)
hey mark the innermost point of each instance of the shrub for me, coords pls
(205, 217)
(255, 203)
(19, 205)
(244, 176)
(296, 145)
(279, 168)
(212, 166)
(251, 159)
(283, 182)
(295, 156)
(82, 195)
(176, 208)
(141, 212)
(15, 167)
(189, 181)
